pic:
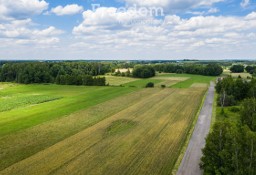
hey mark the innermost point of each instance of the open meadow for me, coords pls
(53, 129)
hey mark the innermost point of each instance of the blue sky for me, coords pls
(128, 29)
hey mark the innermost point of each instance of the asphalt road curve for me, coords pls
(191, 159)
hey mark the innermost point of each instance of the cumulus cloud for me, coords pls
(107, 19)
(67, 10)
(251, 16)
(172, 33)
(21, 9)
(245, 3)
(20, 32)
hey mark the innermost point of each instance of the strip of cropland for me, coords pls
(150, 144)
(188, 80)
(72, 98)
(29, 116)
(103, 130)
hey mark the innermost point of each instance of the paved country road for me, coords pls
(191, 159)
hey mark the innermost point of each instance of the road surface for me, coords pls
(193, 154)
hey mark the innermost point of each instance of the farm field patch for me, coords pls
(74, 98)
(117, 81)
(137, 133)
(141, 83)
(33, 139)
(191, 79)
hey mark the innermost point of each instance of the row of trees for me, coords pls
(238, 68)
(86, 80)
(208, 70)
(61, 73)
(231, 146)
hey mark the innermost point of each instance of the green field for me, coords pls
(236, 75)
(190, 80)
(170, 80)
(96, 130)
(117, 81)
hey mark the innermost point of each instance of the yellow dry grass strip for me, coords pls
(169, 81)
(116, 80)
(151, 147)
(172, 78)
(199, 85)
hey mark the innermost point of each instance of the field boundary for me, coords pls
(187, 140)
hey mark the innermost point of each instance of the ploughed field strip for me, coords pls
(138, 133)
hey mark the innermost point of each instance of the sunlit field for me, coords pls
(97, 130)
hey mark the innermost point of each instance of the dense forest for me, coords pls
(70, 73)
(231, 146)
(199, 69)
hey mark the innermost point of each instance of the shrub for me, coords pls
(163, 86)
(234, 109)
(150, 85)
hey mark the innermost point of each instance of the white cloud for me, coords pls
(245, 3)
(108, 19)
(251, 16)
(21, 9)
(21, 32)
(67, 10)
(109, 30)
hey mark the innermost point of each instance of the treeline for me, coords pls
(139, 71)
(71, 73)
(199, 69)
(231, 146)
(238, 68)
(86, 80)
(231, 91)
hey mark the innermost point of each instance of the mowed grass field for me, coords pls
(167, 79)
(95, 130)
(244, 75)
(188, 80)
